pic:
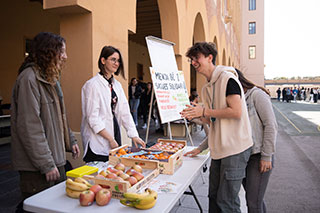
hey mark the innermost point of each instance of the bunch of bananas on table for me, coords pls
(74, 188)
(145, 200)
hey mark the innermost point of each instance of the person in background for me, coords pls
(307, 94)
(145, 104)
(158, 118)
(278, 93)
(134, 98)
(105, 109)
(264, 133)
(288, 95)
(39, 128)
(194, 98)
(304, 94)
(284, 94)
(229, 137)
(315, 95)
(295, 93)
(143, 87)
(311, 94)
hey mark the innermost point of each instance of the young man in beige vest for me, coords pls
(229, 138)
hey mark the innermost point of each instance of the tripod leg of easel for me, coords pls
(185, 122)
(169, 131)
(150, 110)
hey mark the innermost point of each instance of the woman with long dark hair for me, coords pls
(105, 109)
(264, 132)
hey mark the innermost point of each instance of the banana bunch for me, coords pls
(74, 188)
(144, 200)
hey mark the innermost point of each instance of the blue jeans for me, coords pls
(225, 180)
(134, 104)
(255, 185)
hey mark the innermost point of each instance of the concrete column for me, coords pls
(77, 30)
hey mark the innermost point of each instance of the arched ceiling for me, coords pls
(148, 21)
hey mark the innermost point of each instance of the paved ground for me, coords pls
(294, 184)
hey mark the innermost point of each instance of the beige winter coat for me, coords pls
(39, 127)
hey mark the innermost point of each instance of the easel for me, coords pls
(169, 127)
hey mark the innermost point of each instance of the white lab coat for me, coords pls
(97, 114)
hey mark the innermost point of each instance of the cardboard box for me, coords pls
(168, 166)
(177, 129)
(150, 171)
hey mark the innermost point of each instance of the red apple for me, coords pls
(111, 176)
(118, 178)
(86, 198)
(131, 171)
(120, 166)
(103, 197)
(131, 180)
(95, 188)
(100, 176)
(124, 176)
(103, 173)
(119, 172)
(113, 170)
(137, 168)
(138, 176)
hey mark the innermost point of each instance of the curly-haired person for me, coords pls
(39, 129)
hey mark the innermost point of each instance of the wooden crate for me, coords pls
(170, 141)
(165, 167)
(150, 171)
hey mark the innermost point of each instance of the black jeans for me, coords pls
(90, 156)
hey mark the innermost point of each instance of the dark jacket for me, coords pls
(137, 92)
(39, 130)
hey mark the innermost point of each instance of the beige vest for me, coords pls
(226, 136)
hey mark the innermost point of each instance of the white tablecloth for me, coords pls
(55, 199)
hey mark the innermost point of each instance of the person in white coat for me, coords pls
(105, 109)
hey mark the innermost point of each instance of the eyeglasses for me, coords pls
(195, 59)
(114, 60)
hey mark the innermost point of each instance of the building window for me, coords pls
(252, 4)
(252, 52)
(252, 27)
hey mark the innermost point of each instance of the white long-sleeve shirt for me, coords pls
(97, 114)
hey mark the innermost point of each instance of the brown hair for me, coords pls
(105, 53)
(45, 50)
(246, 84)
(206, 48)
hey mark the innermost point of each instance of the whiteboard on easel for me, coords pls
(168, 83)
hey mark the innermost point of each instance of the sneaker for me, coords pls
(144, 126)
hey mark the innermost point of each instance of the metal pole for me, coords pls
(150, 111)
(169, 130)
(185, 122)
